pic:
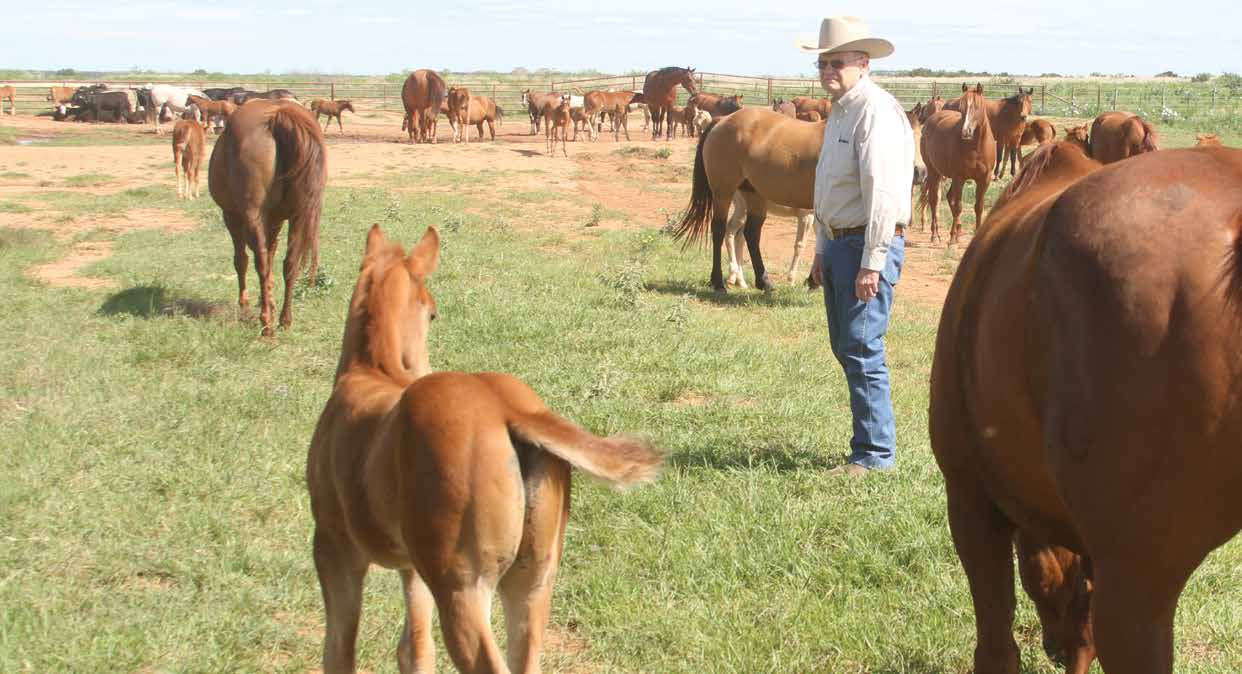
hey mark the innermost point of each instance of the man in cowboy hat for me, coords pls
(862, 203)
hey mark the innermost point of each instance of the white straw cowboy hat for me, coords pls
(847, 33)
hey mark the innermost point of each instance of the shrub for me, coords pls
(1201, 77)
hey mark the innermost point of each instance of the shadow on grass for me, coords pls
(530, 153)
(781, 297)
(777, 459)
(150, 301)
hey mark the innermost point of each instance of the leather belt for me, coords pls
(837, 233)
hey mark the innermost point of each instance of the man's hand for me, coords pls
(867, 285)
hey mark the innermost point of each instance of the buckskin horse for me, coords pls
(766, 156)
(458, 481)
(1117, 135)
(421, 95)
(1084, 389)
(957, 144)
(660, 93)
(269, 166)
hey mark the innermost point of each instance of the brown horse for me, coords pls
(458, 112)
(211, 110)
(717, 105)
(187, 146)
(805, 105)
(1083, 389)
(421, 95)
(1007, 117)
(556, 121)
(458, 481)
(765, 155)
(1117, 135)
(660, 93)
(269, 166)
(932, 106)
(596, 104)
(957, 144)
(914, 116)
(8, 93)
(1207, 140)
(331, 109)
(483, 109)
(534, 105)
(1039, 132)
(785, 108)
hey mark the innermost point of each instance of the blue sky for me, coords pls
(753, 37)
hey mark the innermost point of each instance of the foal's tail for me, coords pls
(301, 168)
(618, 461)
(500, 116)
(693, 225)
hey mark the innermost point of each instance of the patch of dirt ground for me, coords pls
(632, 186)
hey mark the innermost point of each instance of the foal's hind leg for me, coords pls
(955, 207)
(526, 588)
(734, 241)
(804, 224)
(931, 188)
(340, 578)
(416, 649)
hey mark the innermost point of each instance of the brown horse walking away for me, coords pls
(766, 156)
(421, 95)
(187, 146)
(1117, 135)
(270, 165)
(458, 481)
(331, 109)
(957, 144)
(1084, 391)
(8, 93)
(660, 93)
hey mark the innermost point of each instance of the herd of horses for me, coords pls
(1083, 405)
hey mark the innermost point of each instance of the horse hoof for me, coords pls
(764, 283)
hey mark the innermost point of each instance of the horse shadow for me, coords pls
(792, 297)
(151, 301)
(530, 153)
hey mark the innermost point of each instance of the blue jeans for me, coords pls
(857, 334)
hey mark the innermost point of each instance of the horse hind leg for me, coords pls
(416, 647)
(237, 231)
(734, 241)
(340, 578)
(177, 170)
(981, 193)
(931, 190)
(955, 207)
(755, 218)
(983, 539)
(804, 224)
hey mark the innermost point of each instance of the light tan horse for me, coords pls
(187, 146)
(1117, 135)
(766, 156)
(331, 109)
(957, 144)
(421, 96)
(458, 481)
(268, 166)
(8, 93)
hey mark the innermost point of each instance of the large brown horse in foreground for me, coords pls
(421, 95)
(957, 144)
(660, 93)
(769, 158)
(1117, 135)
(270, 165)
(1084, 391)
(458, 481)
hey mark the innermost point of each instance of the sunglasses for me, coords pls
(835, 64)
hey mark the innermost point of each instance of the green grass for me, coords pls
(154, 513)
(14, 174)
(88, 180)
(13, 207)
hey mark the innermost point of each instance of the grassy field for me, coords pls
(154, 517)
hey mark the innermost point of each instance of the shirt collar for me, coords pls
(855, 94)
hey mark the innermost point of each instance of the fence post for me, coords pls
(1043, 99)
(769, 91)
(934, 89)
(1098, 100)
(1115, 97)
(332, 90)
(1073, 106)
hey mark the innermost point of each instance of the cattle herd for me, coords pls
(1052, 459)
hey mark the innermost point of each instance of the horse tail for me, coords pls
(1149, 136)
(693, 225)
(1036, 163)
(301, 167)
(619, 461)
(500, 116)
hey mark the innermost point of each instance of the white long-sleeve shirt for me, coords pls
(865, 170)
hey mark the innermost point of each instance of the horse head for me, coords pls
(1207, 140)
(391, 310)
(348, 105)
(687, 80)
(1022, 102)
(1057, 583)
(1078, 136)
(974, 113)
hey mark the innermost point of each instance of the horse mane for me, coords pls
(665, 71)
(363, 339)
(1036, 163)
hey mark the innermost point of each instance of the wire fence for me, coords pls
(1173, 102)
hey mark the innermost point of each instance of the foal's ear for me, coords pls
(425, 255)
(375, 239)
(965, 87)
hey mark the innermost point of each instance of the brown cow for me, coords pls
(187, 146)
(1117, 135)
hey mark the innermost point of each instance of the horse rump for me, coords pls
(300, 168)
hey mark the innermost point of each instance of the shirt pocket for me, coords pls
(842, 159)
